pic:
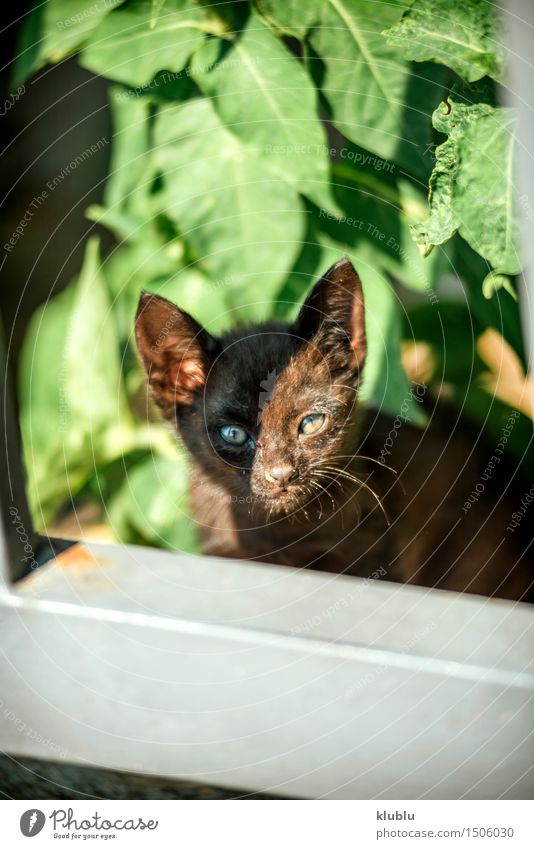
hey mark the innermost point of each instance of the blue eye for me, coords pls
(233, 435)
(312, 423)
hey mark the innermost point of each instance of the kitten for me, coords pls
(285, 464)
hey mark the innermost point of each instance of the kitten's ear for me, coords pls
(333, 315)
(175, 349)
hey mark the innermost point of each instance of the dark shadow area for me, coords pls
(49, 177)
(29, 778)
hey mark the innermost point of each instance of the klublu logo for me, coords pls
(32, 822)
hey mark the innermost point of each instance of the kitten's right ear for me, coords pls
(176, 350)
(333, 315)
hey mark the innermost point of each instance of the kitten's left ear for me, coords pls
(333, 315)
(176, 350)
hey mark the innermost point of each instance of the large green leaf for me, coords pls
(461, 34)
(130, 207)
(73, 409)
(316, 255)
(452, 117)
(242, 221)
(265, 97)
(380, 225)
(43, 416)
(160, 268)
(376, 212)
(132, 43)
(294, 17)
(56, 28)
(378, 100)
(441, 222)
(128, 165)
(484, 192)
(203, 298)
(135, 266)
(385, 385)
(92, 385)
(472, 185)
(68, 23)
(153, 503)
(29, 47)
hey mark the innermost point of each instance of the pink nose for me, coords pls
(281, 475)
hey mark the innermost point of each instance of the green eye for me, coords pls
(233, 435)
(312, 424)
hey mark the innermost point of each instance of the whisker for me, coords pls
(350, 477)
(359, 457)
(308, 488)
(317, 486)
(346, 386)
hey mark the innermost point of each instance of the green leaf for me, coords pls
(495, 281)
(128, 165)
(92, 369)
(415, 271)
(130, 206)
(264, 96)
(42, 414)
(131, 46)
(385, 386)
(153, 503)
(294, 17)
(55, 29)
(483, 196)
(130, 271)
(29, 46)
(441, 223)
(157, 6)
(317, 254)
(471, 188)
(378, 100)
(142, 264)
(452, 117)
(203, 298)
(376, 216)
(240, 219)
(73, 409)
(68, 23)
(462, 34)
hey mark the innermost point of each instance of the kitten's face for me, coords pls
(269, 413)
(261, 410)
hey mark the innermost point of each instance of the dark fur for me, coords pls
(330, 504)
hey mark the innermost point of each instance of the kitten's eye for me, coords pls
(312, 423)
(234, 435)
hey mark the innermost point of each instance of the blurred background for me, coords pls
(224, 155)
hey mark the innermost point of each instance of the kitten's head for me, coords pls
(262, 408)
